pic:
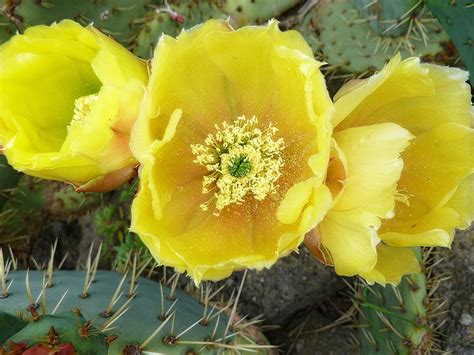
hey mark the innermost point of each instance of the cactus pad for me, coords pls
(457, 18)
(155, 318)
(340, 35)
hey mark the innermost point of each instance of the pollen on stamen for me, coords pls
(241, 159)
(82, 107)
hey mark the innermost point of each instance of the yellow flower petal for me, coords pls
(415, 96)
(374, 167)
(190, 90)
(351, 239)
(417, 225)
(392, 264)
(462, 201)
(436, 162)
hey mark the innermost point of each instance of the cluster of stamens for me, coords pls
(82, 107)
(241, 159)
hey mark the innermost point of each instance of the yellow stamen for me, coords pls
(241, 159)
(82, 107)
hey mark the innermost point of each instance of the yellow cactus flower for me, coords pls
(233, 140)
(69, 97)
(401, 170)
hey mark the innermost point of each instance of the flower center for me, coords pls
(241, 159)
(82, 107)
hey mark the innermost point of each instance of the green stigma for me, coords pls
(240, 166)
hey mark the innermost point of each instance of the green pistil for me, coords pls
(240, 167)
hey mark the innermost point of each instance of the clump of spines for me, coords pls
(119, 313)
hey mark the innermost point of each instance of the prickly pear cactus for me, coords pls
(357, 39)
(457, 18)
(104, 312)
(394, 320)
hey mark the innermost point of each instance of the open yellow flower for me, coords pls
(401, 170)
(69, 97)
(233, 141)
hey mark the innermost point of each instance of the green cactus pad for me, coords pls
(340, 35)
(143, 317)
(9, 325)
(457, 18)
